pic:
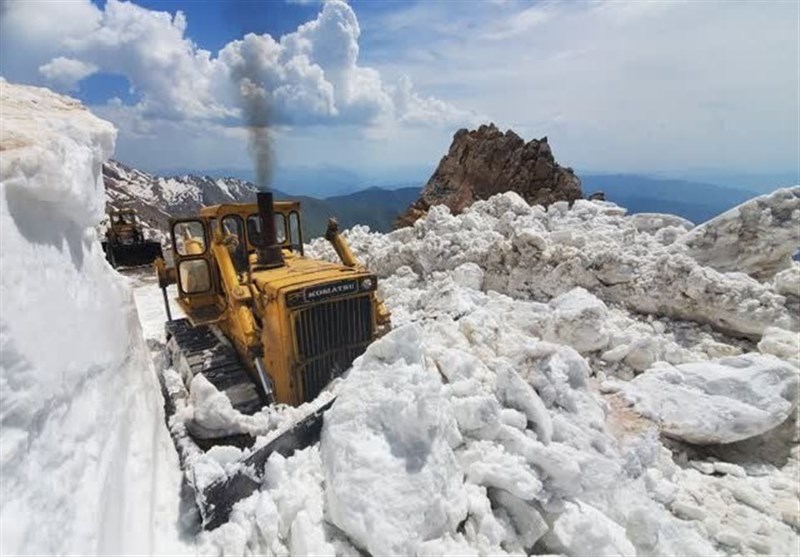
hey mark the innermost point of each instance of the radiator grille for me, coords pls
(330, 335)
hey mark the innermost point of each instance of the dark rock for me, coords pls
(486, 161)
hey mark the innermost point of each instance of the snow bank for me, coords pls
(528, 252)
(82, 426)
(547, 461)
(478, 427)
(716, 402)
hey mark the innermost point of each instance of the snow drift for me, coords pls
(519, 316)
(637, 261)
(83, 439)
(519, 403)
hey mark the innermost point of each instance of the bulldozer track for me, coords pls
(205, 353)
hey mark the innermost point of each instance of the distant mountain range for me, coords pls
(320, 181)
(158, 198)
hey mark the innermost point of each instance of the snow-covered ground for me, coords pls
(513, 410)
(568, 381)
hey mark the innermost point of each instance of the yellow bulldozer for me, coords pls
(125, 244)
(263, 323)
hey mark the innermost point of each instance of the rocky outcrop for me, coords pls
(486, 161)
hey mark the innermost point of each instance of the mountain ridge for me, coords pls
(157, 198)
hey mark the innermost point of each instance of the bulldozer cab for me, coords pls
(237, 228)
(124, 227)
(243, 222)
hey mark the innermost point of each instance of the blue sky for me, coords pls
(378, 88)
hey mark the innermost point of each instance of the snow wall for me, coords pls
(81, 419)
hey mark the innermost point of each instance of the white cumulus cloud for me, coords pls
(65, 73)
(310, 76)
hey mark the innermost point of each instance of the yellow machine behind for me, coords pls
(125, 244)
(264, 323)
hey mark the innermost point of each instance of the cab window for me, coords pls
(254, 232)
(295, 235)
(280, 227)
(195, 276)
(189, 238)
(233, 238)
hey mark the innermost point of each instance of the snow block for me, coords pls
(392, 480)
(583, 530)
(758, 237)
(721, 401)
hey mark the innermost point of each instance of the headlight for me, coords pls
(367, 284)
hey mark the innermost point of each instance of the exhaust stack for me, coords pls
(269, 252)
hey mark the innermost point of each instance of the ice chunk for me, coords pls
(758, 237)
(583, 530)
(392, 480)
(787, 282)
(781, 343)
(721, 401)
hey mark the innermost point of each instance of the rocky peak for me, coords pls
(486, 161)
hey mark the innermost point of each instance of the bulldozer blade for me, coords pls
(217, 500)
(133, 255)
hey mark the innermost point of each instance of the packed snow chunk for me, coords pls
(579, 321)
(781, 343)
(720, 401)
(210, 413)
(468, 275)
(517, 394)
(787, 282)
(489, 465)
(651, 223)
(296, 487)
(392, 480)
(526, 519)
(759, 237)
(86, 461)
(583, 530)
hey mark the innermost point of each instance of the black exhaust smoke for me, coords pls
(256, 113)
(269, 252)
